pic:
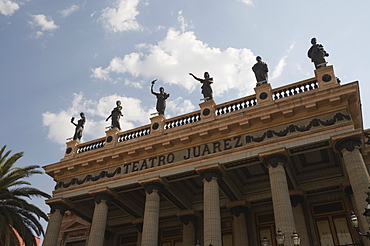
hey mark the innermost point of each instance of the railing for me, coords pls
(235, 105)
(182, 120)
(136, 133)
(222, 109)
(294, 89)
(96, 144)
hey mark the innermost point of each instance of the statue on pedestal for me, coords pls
(161, 98)
(260, 70)
(206, 86)
(317, 54)
(116, 115)
(79, 126)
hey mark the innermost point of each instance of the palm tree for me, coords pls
(17, 216)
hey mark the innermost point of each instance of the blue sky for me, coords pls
(59, 58)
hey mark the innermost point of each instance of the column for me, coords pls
(357, 174)
(240, 233)
(283, 212)
(151, 213)
(212, 217)
(139, 227)
(299, 219)
(99, 221)
(188, 229)
(55, 221)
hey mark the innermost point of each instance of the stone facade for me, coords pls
(294, 158)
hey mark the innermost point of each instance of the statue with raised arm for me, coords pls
(161, 98)
(206, 86)
(79, 126)
(317, 54)
(260, 70)
(116, 115)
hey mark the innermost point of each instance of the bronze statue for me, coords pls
(116, 115)
(317, 54)
(206, 86)
(260, 70)
(161, 98)
(79, 126)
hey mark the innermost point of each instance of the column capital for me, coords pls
(208, 174)
(274, 160)
(237, 210)
(58, 206)
(99, 196)
(296, 197)
(138, 224)
(187, 218)
(348, 143)
(150, 186)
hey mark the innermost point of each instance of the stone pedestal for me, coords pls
(207, 110)
(157, 124)
(263, 94)
(326, 78)
(71, 149)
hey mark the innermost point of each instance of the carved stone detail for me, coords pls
(275, 159)
(150, 186)
(348, 143)
(208, 174)
(103, 196)
(185, 219)
(58, 205)
(296, 199)
(237, 210)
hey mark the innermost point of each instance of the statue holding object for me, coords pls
(317, 54)
(206, 86)
(116, 115)
(79, 126)
(161, 98)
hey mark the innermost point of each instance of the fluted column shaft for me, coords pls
(240, 233)
(55, 221)
(357, 174)
(151, 214)
(188, 229)
(99, 221)
(283, 212)
(300, 220)
(212, 217)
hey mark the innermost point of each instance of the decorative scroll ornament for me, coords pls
(58, 206)
(275, 159)
(237, 210)
(103, 196)
(150, 186)
(187, 218)
(349, 143)
(208, 174)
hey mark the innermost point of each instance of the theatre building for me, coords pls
(293, 159)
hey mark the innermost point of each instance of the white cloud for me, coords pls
(180, 53)
(45, 23)
(278, 70)
(8, 7)
(247, 2)
(68, 11)
(60, 128)
(122, 17)
(180, 106)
